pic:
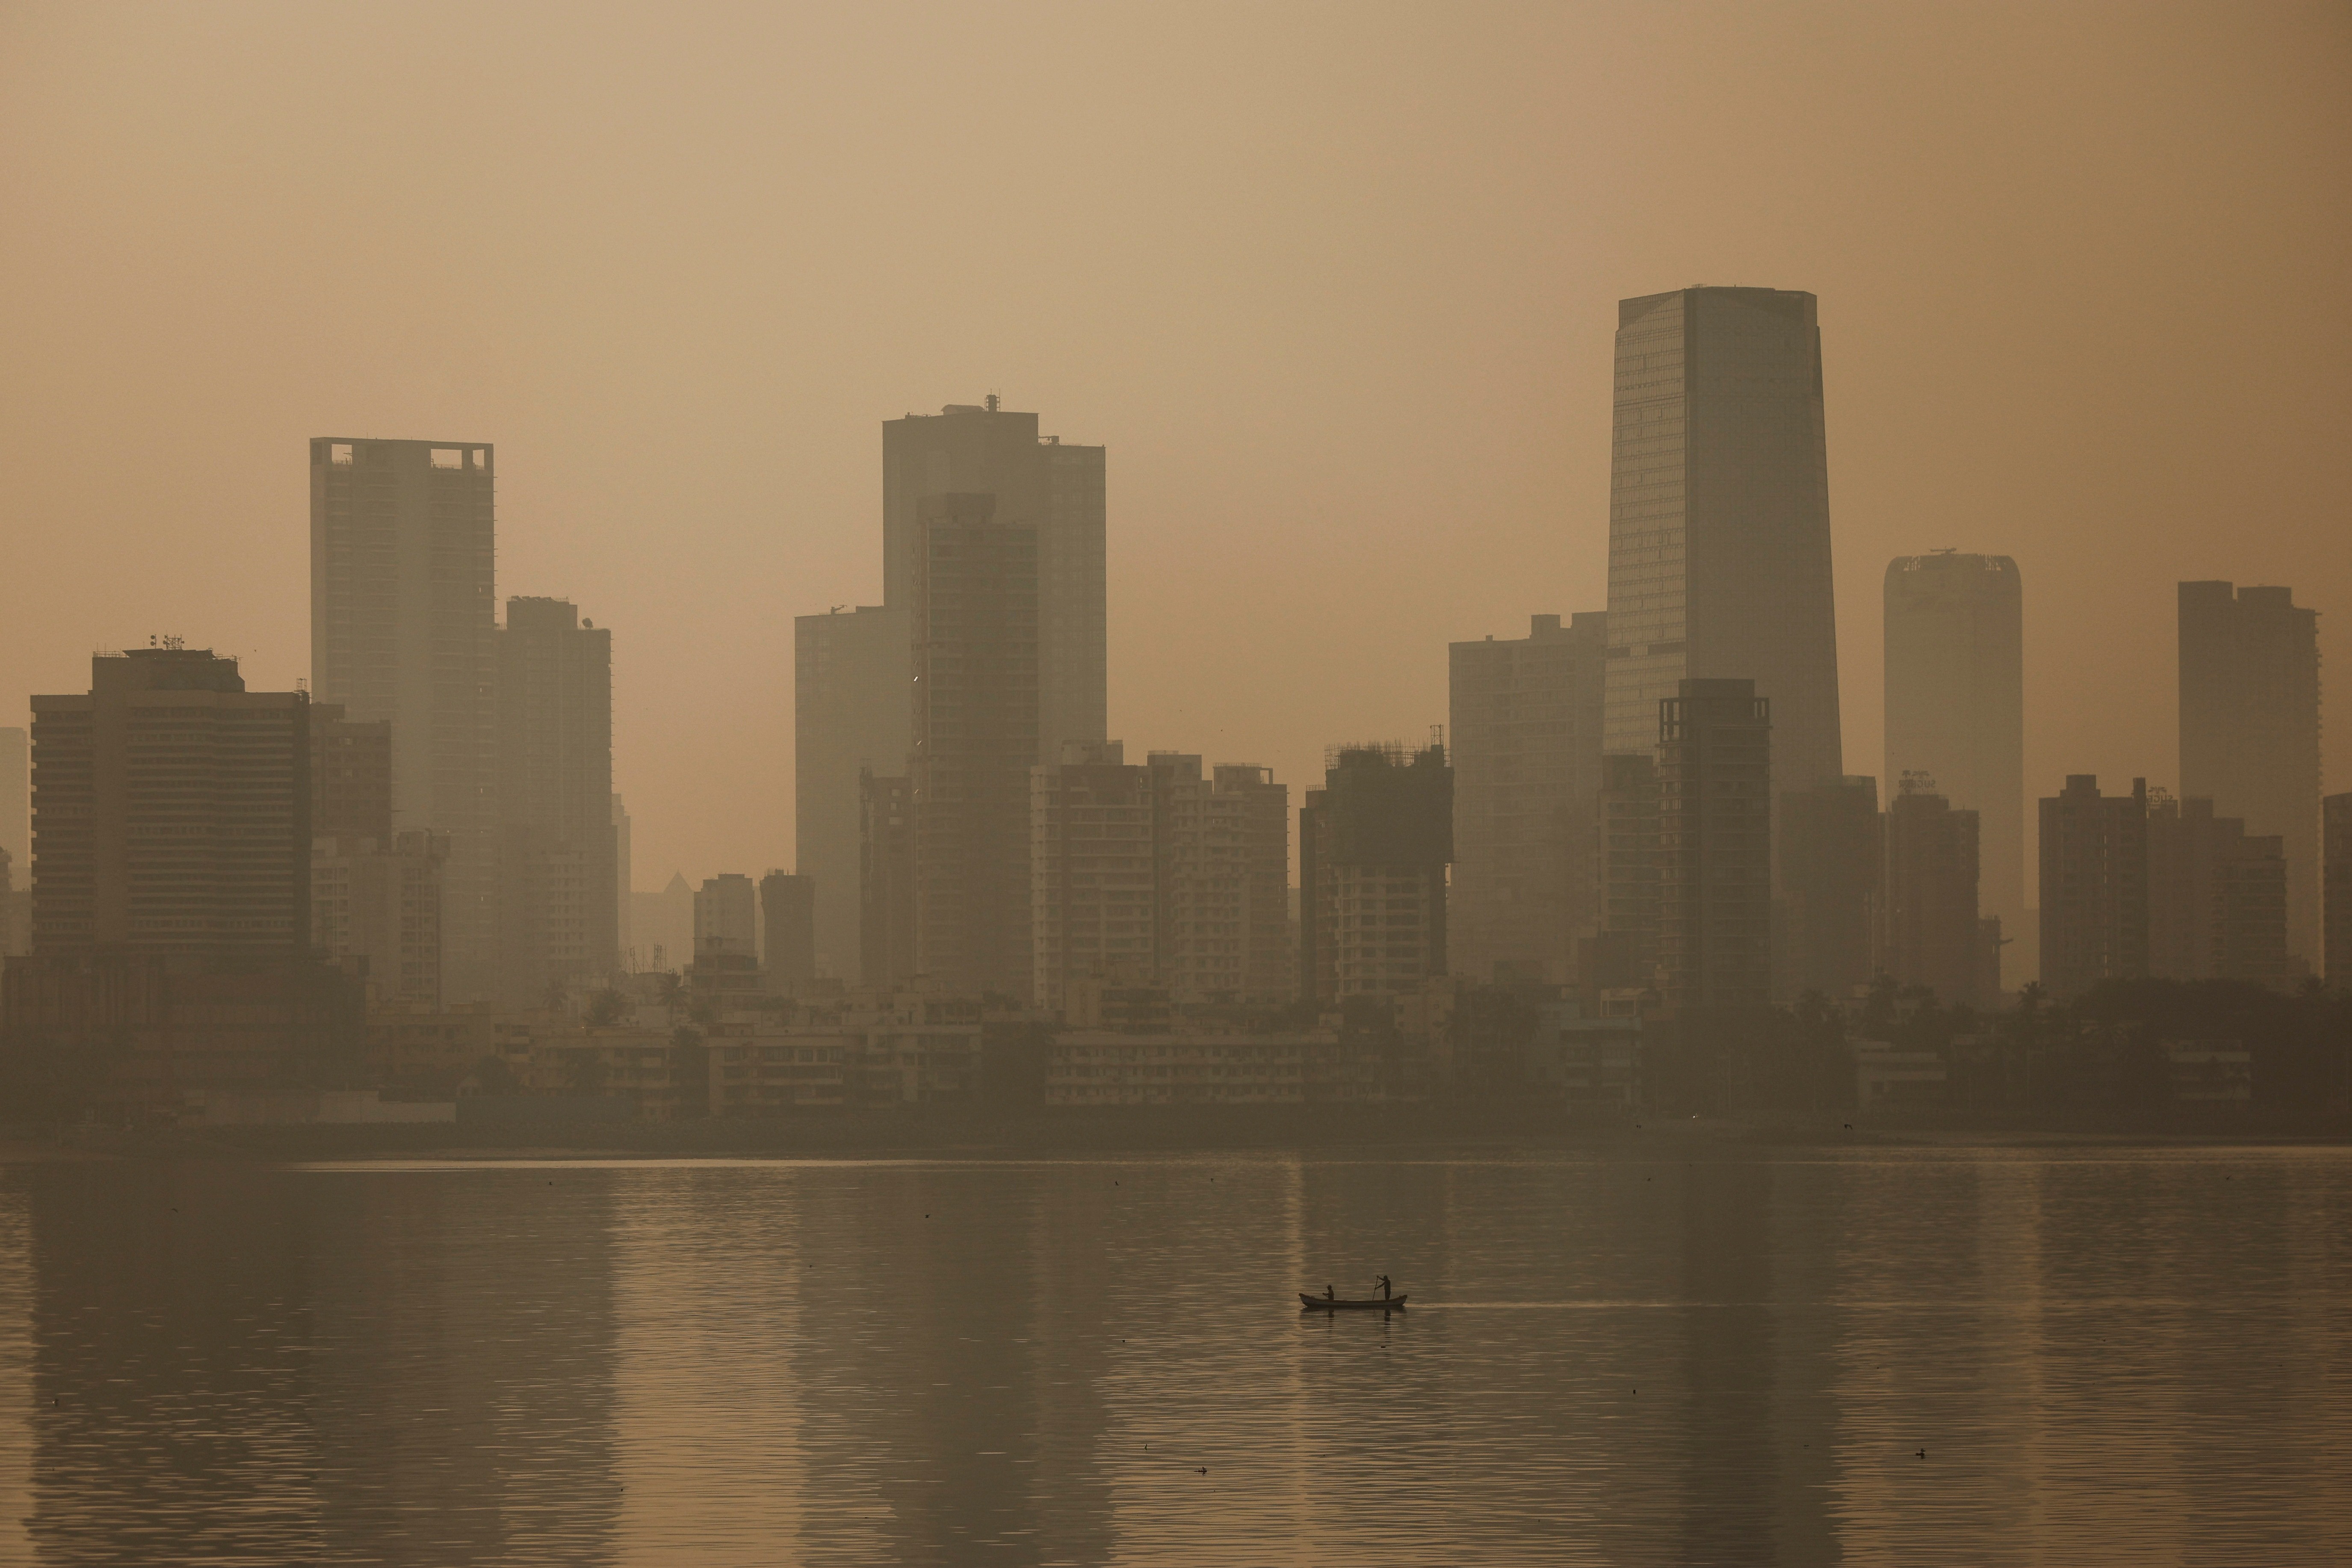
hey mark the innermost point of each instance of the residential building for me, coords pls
(727, 917)
(2093, 885)
(1223, 856)
(16, 797)
(1093, 906)
(1039, 483)
(558, 881)
(1524, 722)
(886, 880)
(2216, 896)
(622, 895)
(2250, 727)
(853, 707)
(1103, 1067)
(1719, 518)
(403, 628)
(1624, 955)
(380, 899)
(1955, 644)
(1935, 937)
(975, 600)
(1715, 845)
(172, 811)
(1374, 843)
(788, 942)
(1825, 936)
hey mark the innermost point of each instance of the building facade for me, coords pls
(380, 899)
(1093, 907)
(2250, 727)
(558, 886)
(727, 917)
(1956, 703)
(1223, 856)
(1524, 722)
(852, 709)
(1374, 843)
(1719, 518)
(975, 739)
(788, 937)
(2093, 885)
(1827, 921)
(2216, 896)
(886, 880)
(2338, 819)
(1715, 845)
(1934, 937)
(403, 628)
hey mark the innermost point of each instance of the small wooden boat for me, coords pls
(1346, 1304)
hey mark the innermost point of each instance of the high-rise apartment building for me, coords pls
(853, 705)
(1624, 955)
(2093, 885)
(376, 895)
(172, 811)
(1092, 904)
(975, 739)
(2250, 727)
(2337, 816)
(1374, 845)
(1719, 518)
(886, 880)
(1825, 937)
(404, 626)
(1039, 483)
(727, 917)
(1526, 728)
(350, 776)
(1956, 703)
(1222, 845)
(2216, 896)
(1934, 936)
(559, 888)
(17, 841)
(788, 935)
(621, 894)
(1715, 845)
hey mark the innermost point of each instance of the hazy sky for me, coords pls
(1335, 284)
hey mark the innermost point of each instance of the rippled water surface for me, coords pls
(1903, 1357)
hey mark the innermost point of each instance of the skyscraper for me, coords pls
(852, 701)
(558, 887)
(1956, 703)
(1831, 885)
(374, 894)
(2250, 727)
(2338, 813)
(1223, 847)
(2216, 896)
(886, 880)
(172, 811)
(1091, 872)
(1039, 483)
(975, 739)
(404, 626)
(16, 798)
(1715, 845)
(788, 937)
(2093, 885)
(1719, 518)
(1933, 935)
(1526, 727)
(1374, 845)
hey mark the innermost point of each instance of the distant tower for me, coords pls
(788, 912)
(1720, 521)
(2250, 727)
(1222, 849)
(2216, 896)
(1374, 845)
(1715, 845)
(1956, 703)
(853, 704)
(559, 885)
(1092, 895)
(1524, 721)
(404, 626)
(2093, 885)
(1934, 937)
(1832, 884)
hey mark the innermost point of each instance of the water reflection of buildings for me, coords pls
(233, 1364)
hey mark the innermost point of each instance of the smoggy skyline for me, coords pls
(1335, 287)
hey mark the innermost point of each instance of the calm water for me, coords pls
(2107, 1356)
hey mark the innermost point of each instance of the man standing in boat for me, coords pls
(1384, 1288)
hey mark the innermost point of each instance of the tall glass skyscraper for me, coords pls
(1719, 520)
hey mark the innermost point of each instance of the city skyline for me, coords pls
(1279, 460)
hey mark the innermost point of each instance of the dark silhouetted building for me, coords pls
(1935, 937)
(2093, 885)
(975, 739)
(852, 709)
(788, 942)
(885, 874)
(1093, 897)
(403, 628)
(558, 886)
(172, 811)
(1221, 847)
(350, 776)
(1719, 518)
(1956, 703)
(2250, 726)
(17, 841)
(1055, 490)
(1715, 845)
(376, 895)
(1624, 955)
(1525, 731)
(2216, 896)
(1374, 845)
(1826, 927)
